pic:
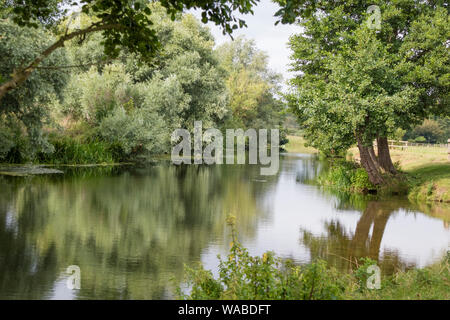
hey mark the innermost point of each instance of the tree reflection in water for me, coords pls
(343, 248)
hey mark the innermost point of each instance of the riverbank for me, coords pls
(245, 277)
(424, 171)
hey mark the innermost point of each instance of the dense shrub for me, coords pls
(360, 180)
(246, 277)
(346, 175)
(117, 109)
(136, 131)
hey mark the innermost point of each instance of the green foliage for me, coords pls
(92, 95)
(14, 141)
(252, 86)
(430, 131)
(430, 183)
(430, 283)
(420, 139)
(398, 134)
(189, 65)
(24, 110)
(132, 103)
(245, 277)
(137, 106)
(430, 188)
(118, 110)
(126, 23)
(361, 274)
(137, 131)
(339, 177)
(357, 83)
(344, 175)
(71, 151)
(360, 180)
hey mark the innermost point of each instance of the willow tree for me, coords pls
(25, 110)
(123, 24)
(359, 80)
(251, 84)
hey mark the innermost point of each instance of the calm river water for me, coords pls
(131, 230)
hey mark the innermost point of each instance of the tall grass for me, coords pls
(73, 151)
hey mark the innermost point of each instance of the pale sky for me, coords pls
(268, 37)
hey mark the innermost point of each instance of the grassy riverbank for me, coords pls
(424, 174)
(428, 170)
(430, 183)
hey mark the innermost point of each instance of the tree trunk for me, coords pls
(368, 164)
(373, 157)
(384, 156)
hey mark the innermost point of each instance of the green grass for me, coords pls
(430, 283)
(430, 182)
(69, 150)
(416, 157)
(296, 144)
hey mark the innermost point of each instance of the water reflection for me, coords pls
(131, 230)
(343, 248)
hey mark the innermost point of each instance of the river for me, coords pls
(131, 229)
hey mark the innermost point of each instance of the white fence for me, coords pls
(406, 144)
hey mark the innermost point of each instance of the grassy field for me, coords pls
(297, 145)
(415, 157)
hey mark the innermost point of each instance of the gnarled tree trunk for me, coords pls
(373, 157)
(384, 156)
(368, 164)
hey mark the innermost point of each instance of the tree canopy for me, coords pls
(123, 24)
(252, 86)
(81, 98)
(357, 84)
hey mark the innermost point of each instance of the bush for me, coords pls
(136, 131)
(246, 277)
(93, 96)
(420, 139)
(347, 176)
(360, 180)
(25, 109)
